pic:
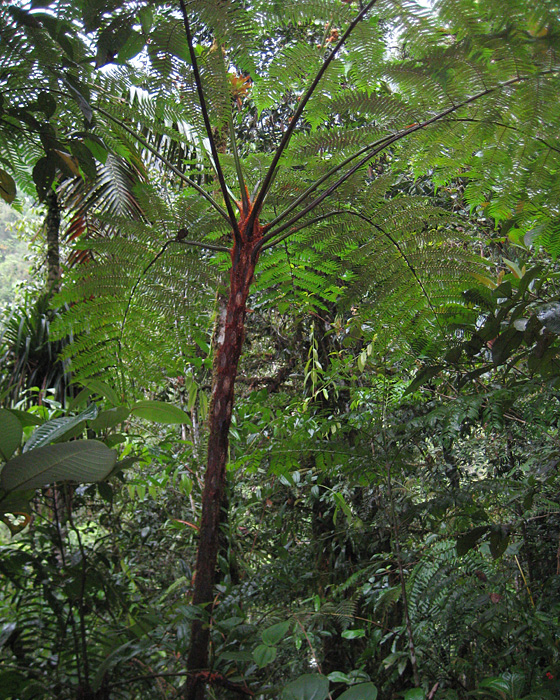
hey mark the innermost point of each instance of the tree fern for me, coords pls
(472, 89)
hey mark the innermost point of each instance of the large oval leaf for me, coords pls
(264, 655)
(10, 434)
(160, 412)
(272, 635)
(109, 418)
(26, 418)
(311, 686)
(362, 691)
(7, 186)
(82, 461)
(57, 427)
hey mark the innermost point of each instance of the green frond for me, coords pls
(290, 71)
(139, 278)
(306, 13)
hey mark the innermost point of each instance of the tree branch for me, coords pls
(208, 126)
(375, 149)
(157, 154)
(267, 181)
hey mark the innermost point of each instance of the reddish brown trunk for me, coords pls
(229, 345)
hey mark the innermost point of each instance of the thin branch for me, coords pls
(238, 169)
(208, 126)
(204, 246)
(374, 149)
(320, 181)
(299, 111)
(299, 228)
(167, 163)
(506, 126)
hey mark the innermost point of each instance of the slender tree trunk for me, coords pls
(227, 351)
(52, 225)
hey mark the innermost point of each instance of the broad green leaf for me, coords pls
(109, 418)
(264, 655)
(470, 539)
(414, 694)
(146, 17)
(81, 398)
(7, 187)
(423, 376)
(272, 635)
(11, 432)
(362, 359)
(499, 539)
(99, 387)
(98, 151)
(81, 461)
(46, 103)
(43, 176)
(339, 677)
(362, 691)
(353, 634)
(311, 686)
(134, 44)
(341, 503)
(85, 159)
(26, 418)
(159, 412)
(57, 427)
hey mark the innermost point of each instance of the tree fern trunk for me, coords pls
(227, 352)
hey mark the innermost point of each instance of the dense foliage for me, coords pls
(348, 212)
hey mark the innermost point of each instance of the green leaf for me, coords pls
(339, 677)
(43, 176)
(499, 539)
(311, 686)
(470, 539)
(159, 412)
(57, 427)
(353, 634)
(25, 418)
(146, 17)
(47, 104)
(111, 41)
(82, 461)
(414, 694)
(341, 503)
(80, 93)
(11, 432)
(99, 387)
(423, 376)
(362, 691)
(505, 345)
(85, 159)
(134, 44)
(109, 418)
(97, 149)
(272, 635)
(264, 655)
(7, 187)
(16, 503)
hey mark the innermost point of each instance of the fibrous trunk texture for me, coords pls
(227, 351)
